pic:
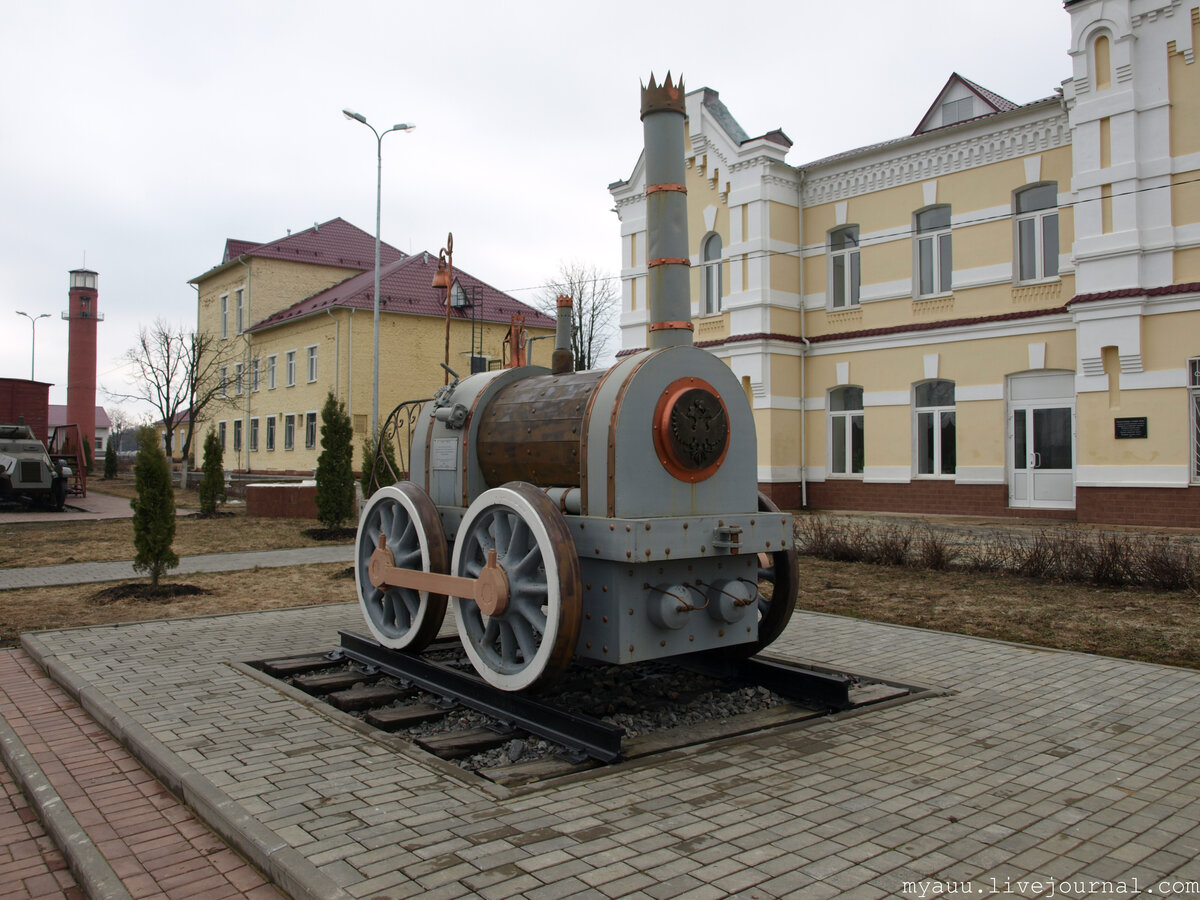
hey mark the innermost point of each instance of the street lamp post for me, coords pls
(33, 337)
(403, 126)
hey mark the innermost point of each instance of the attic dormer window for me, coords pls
(957, 111)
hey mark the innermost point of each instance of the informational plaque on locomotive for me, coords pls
(444, 454)
(1133, 427)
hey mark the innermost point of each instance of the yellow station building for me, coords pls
(293, 319)
(998, 314)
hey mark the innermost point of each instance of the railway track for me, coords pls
(436, 702)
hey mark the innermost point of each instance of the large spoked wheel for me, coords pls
(407, 520)
(528, 640)
(778, 585)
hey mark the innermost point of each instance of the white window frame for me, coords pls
(224, 316)
(310, 429)
(270, 433)
(238, 378)
(289, 431)
(271, 372)
(939, 437)
(254, 434)
(711, 252)
(221, 435)
(1037, 221)
(932, 251)
(848, 260)
(842, 421)
(290, 368)
(1194, 406)
(223, 374)
(254, 375)
(237, 435)
(311, 352)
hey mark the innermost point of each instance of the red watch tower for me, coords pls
(82, 314)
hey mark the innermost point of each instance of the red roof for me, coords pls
(332, 243)
(1163, 291)
(406, 286)
(58, 416)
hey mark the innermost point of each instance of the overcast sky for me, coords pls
(136, 137)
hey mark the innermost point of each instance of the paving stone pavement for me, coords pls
(91, 572)
(1042, 773)
(127, 836)
(30, 865)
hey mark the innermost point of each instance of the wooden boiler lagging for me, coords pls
(531, 430)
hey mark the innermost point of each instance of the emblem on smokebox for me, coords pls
(691, 429)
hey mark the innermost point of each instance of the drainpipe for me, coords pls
(337, 353)
(350, 371)
(804, 345)
(246, 368)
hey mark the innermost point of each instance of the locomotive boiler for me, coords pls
(608, 515)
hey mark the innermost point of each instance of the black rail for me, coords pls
(791, 680)
(580, 733)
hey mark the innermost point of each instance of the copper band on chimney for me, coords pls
(669, 261)
(655, 188)
(671, 326)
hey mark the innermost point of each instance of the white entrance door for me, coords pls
(1041, 441)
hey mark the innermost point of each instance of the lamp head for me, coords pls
(357, 117)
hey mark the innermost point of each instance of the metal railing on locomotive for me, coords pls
(397, 432)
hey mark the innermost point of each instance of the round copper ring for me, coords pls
(664, 446)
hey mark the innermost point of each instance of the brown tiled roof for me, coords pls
(406, 286)
(235, 248)
(58, 416)
(332, 243)
(1188, 288)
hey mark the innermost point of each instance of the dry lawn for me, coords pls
(1132, 623)
(37, 544)
(35, 609)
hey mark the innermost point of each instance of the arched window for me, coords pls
(1037, 232)
(712, 273)
(844, 273)
(934, 261)
(846, 448)
(935, 428)
(1102, 59)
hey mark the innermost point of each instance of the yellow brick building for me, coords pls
(293, 320)
(996, 314)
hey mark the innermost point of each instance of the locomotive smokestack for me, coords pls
(668, 265)
(562, 360)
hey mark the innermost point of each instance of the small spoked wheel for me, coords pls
(406, 520)
(527, 640)
(778, 584)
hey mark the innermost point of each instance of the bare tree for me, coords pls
(176, 373)
(594, 312)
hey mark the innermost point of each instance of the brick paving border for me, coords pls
(30, 865)
(125, 835)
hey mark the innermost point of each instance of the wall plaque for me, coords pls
(1135, 427)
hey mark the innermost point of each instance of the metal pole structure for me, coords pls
(444, 277)
(404, 126)
(33, 337)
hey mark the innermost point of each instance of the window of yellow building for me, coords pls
(846, 447)
(935, 428)
(270, 432)
(290, 368)
(844, 273)
(1194, 388)
(712, 274)
(310, 430)
(934, 260)
(289, 432)
(1037, 232)
(254, 435)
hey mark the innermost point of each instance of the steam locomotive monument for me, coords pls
(609, 515)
